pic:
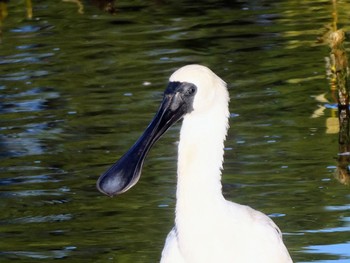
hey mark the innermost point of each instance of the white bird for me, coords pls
(208, 228)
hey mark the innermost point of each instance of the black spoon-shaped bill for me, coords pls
(125, 173)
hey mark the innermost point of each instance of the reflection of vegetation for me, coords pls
(338, 71)
(3, 11)
(29, 9)
(78, 3)
(3, 15)
(105, 5)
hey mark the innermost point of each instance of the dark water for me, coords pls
(78, 86)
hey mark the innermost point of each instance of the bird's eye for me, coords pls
(190, 90)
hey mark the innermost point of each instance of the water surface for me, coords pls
(77, 88)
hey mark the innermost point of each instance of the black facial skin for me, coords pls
(122, 175)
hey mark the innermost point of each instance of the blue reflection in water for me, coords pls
(341, 250)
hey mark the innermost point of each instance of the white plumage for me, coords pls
(209, 229)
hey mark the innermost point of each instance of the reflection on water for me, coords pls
(337, 72)
(78, 85)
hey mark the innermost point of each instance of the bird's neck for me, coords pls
(201, 151)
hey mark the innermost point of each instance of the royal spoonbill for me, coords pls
(208, 228)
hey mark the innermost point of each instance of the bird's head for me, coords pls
(192, 89)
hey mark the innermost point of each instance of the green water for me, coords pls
(78, 88)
